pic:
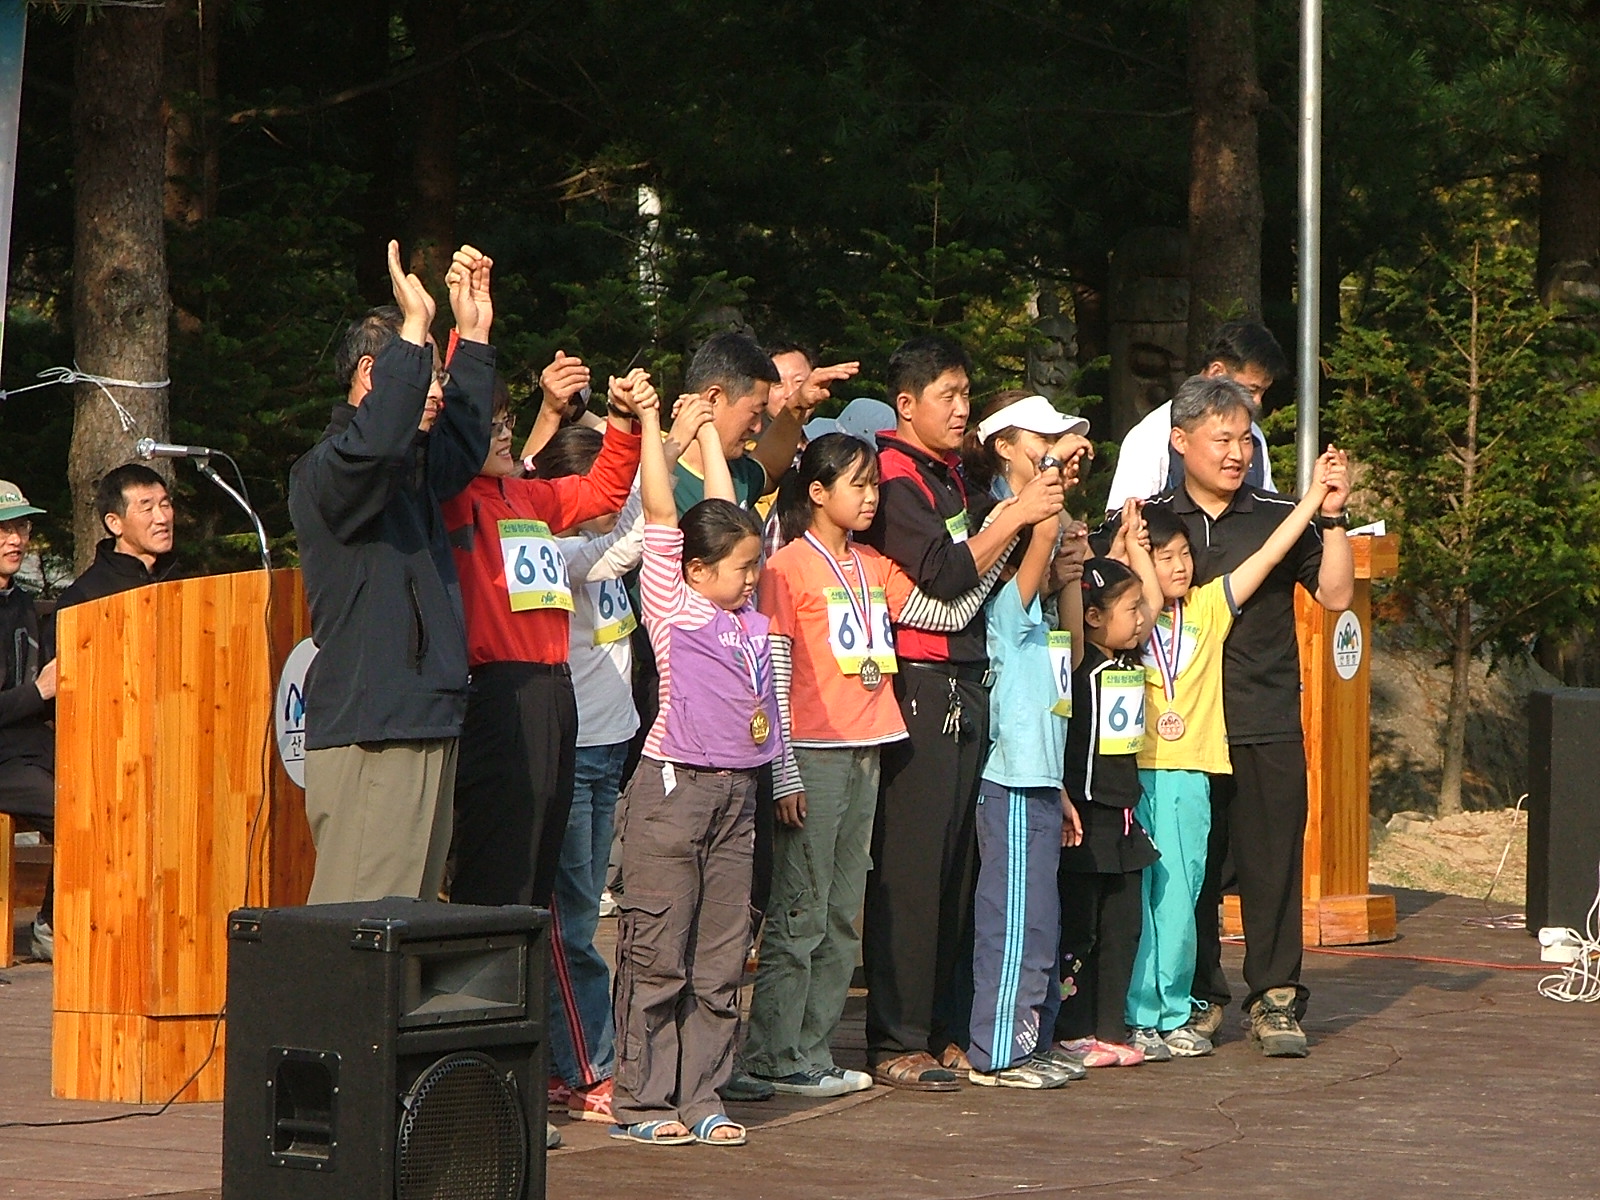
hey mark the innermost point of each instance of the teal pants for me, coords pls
(1175, 808)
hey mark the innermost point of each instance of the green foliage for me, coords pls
(1465, 404)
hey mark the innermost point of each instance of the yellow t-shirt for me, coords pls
(1202, 744)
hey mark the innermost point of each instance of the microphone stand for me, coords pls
(203, 465)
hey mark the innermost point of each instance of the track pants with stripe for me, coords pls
(1017, 924)
(1175, 809)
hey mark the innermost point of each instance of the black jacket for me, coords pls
(24, 736)
(385, 605)
(112, 572)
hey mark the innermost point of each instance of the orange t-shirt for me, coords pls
(805, 602)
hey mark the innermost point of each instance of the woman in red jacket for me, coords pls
(514, 776)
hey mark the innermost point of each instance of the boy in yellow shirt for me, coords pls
(1186, 744)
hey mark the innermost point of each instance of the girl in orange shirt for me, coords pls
(831, 604)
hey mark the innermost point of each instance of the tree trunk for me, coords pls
(1569, 202)
(1455, 723)
(374, 153)
(119, 264)
(193, 36)
(433, 163)
(1225, 205)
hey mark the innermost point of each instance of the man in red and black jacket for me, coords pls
(923, 843)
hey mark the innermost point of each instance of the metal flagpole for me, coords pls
(1308, 372)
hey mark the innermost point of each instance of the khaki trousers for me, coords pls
(380, 815)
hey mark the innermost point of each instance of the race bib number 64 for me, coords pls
(1121, 712)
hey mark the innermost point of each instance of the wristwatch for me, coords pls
(622, 414)
(1342, 521)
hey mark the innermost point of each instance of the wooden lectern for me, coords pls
(172, 809)
(1335, 711)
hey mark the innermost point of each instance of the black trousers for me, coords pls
(1101, 919)
(28, 792)
(514, 780)
(1259, 813)
(917, 927)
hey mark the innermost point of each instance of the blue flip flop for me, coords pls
(648, 1133)
(705, 1126)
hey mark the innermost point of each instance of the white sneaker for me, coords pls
(608, 905)
(44, 941)
(855, 1081)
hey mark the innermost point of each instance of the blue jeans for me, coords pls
(582, 1037)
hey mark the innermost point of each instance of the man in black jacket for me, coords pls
(387, 691)
(27, 698)
(136, 511)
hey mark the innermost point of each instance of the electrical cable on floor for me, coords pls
(1514, 920)
(1579, 980)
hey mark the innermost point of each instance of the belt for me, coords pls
(969, 672)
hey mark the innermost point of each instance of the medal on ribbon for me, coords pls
(750, 661)
(871, 674)
(1169, 725)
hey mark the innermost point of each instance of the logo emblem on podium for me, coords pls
(289, 712)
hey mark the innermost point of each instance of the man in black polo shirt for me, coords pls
(917, 928)
(1261, 809)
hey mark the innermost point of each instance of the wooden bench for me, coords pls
(23, 871)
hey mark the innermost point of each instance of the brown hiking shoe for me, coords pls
(1273, 1026)
(1204, 1019)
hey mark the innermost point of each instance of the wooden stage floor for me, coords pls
(1427, 1078)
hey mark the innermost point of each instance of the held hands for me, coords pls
(416, 306)
(791, 810)
(1332, 475)
(46, 682)
(1071, 826)
(1074, 452)
(563, 379)
(1067, 566)
(816, 387)
(1041, 497)
(468, 281)
(634, 392)
(1131, 526)
(691, 414)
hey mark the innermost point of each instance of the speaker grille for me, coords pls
(462, 1135)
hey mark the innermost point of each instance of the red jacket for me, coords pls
(496, 633)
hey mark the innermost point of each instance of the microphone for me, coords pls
(150, 448)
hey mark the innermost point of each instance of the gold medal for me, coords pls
(1170, 726)
(871, 674)
(760, 727)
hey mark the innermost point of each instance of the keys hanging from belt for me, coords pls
(952, 715)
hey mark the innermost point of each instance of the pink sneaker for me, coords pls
(557, 1093)
(1091, 1052)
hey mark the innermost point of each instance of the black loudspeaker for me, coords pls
(1563, 807)
(388, 1050)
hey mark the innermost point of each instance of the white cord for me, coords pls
(55, 375)
(1580, 979)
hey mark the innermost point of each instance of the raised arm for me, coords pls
(559, 382)
(655, 477)
(1249, 575)
(1336, 578)
(1136, 544)
(714, 466)
(910, 606)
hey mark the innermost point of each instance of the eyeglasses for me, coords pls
(20, 527)
(507, 426)
(442, 378)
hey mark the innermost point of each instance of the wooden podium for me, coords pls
(172, 809)
(1335, 711)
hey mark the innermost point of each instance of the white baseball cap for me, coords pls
(865, 418)
(1035, 414)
